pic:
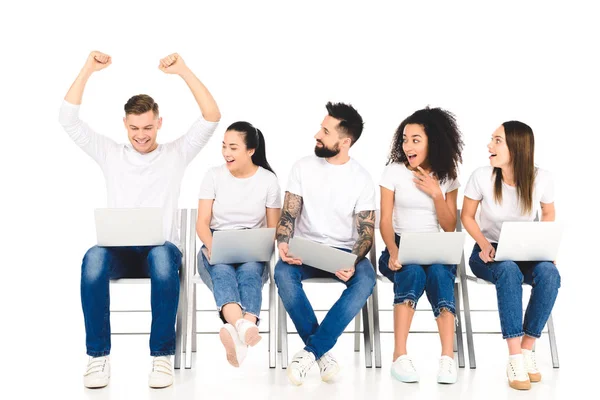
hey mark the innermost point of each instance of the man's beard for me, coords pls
(325, 152)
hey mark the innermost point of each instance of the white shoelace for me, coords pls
(160, 364)
(530, 362)
(327, 361)
(446, 365)
(304, 364)
(407, 365)
(517, 368)
(96, 364)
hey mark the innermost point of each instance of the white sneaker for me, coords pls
(235, 350)
(447, 371)
(517, 374)
(404, 370)
(97, 373)
(329, 367)
(300, 365)
(161, 375)
(531, 366)
(248, 332)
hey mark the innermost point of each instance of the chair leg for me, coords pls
(283, 332)
(357, 332)
(552, 338)
(458, 333)
(190, 325)
(376, 330)
(467, 310)
(194, 322)
(367, 335)
(179, 326)
(272, 326)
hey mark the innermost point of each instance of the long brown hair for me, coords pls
(519, 139)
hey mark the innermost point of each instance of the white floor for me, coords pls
(212, 377)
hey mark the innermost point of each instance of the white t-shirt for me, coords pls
(414, 210)
(481, 187)
(135, 180)
(240, 203)
(332, 195)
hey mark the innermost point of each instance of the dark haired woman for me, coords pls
(241, 194)
(419, 189)
(509, 190)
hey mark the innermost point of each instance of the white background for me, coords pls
(276, 64)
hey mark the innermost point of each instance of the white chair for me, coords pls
(464, 277)
(182, 295)
(190, 335)
(458, 339)
(283, 331)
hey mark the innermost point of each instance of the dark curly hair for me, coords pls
(444, 138)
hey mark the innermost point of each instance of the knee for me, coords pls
(95, 263)
(164, 261)
(412, 273)
(509, 271)
(285, 274)
(547, 274)
(439, 273)
(364, 276)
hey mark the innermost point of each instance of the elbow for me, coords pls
(214, 116)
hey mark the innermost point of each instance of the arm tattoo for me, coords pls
(292, 206)
(365, 225)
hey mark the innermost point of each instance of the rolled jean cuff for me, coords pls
(162, 353)
(444, 305)
(533, 335)
(98, 353)
(512, 335)
(409, 298)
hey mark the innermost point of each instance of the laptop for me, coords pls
(431, 248)
(529, 241)
(320, 256)
(117, 227)
(242, 245)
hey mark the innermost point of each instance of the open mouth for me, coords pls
(229, 161)
(492, 155)
(142, 141)
(411, 157)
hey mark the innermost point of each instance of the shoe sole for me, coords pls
(330, 375)
(535, 378)
(520, 385)
(403, 379)
(160, 386)
(229, 345)
(252, 336)
(97, 384)
(292, 379)
(447, 381)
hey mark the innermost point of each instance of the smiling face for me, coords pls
(236, 154)
(142, 130)
(329, 140)
(415, 145)
(499, 153)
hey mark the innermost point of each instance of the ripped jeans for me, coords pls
(412, 280)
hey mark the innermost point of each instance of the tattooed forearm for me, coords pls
(365, 225)
(292, 206)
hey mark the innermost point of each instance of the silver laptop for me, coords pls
(129, 227)
(529, 241)
(320, 256)
(242, 245)
(431, 248)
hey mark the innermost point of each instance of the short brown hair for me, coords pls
(140, 104)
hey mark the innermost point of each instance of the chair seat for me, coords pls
(130, 280)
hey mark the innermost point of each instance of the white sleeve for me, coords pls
(207, 188)
(190, 144)
(366, 199)
(95, 145)
(453, 185)
(294, 184)
(547, 188)
(473, 189)
(387, 178)
(274, 194)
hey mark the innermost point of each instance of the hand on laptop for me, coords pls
(206, 252)
(345, 274)
(487, 253)
(283, 254)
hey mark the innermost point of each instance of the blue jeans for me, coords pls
(509, 276)
(319, 339)
(235, 283)
(101, 264)
(412, 280)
